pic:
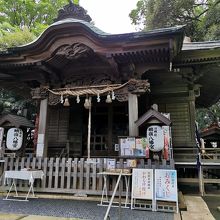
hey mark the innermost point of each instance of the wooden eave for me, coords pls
(198, 53)
(204, 59)
(41, 63)
(71, 30)
(211, 133)
(152, 114)
(10, 120)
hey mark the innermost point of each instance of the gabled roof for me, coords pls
(10, 120)
(152, 115)
(211, 133)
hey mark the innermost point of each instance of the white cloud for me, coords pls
(111, 16)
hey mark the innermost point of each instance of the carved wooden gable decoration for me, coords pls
(73, 52)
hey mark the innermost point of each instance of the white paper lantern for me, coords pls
(14, 139)
(155, 138)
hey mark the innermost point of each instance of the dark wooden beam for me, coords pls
(53, 74)
(6, 76)
(113, 63)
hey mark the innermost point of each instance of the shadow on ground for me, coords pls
(213, 201)
(212, 196)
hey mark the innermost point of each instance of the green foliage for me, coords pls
(13, 103)
(20, 22)
(15, 38)
(201, 17)
(30, 13)
(208, 116)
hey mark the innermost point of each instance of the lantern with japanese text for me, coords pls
(14, 139)
(155, 138)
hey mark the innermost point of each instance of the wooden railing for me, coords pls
(189, 170)
(62, 175)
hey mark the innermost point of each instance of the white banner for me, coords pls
(166, 185)
(142, 184)
(1, 136)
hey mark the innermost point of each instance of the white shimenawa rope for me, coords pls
(87, 90)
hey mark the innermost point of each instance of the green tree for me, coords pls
(201, 17)
(14, 103)
(35, 15)
(20, 22)
(208, 116)
(15, 38)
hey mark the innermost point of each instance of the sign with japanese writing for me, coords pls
(166, 185)
(111, 164)
(131, 163)
(140, 147)
(14, 138)
(142, 184)
(1, 136)
(155, 138)
(127, 146)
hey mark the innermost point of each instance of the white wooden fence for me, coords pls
(70, 175)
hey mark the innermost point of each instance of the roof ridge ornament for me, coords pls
(73, 11)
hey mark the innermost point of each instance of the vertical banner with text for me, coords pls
(166, 185)
(142, 184)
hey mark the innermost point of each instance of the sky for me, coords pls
(111, 16)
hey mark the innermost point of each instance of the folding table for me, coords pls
(29, 175)
(104, 191)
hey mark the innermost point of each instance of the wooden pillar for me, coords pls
(200, 175)
(133, 114)
(42, 138)
(110, 126)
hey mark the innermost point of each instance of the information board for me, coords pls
(127, 146)
(140, 147)
(131, 146)
(166, 185)
(142, 184)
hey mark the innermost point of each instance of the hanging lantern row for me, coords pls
(88, 100)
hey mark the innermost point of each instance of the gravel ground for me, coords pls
(76, 209)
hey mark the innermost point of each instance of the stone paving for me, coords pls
(76, 209)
